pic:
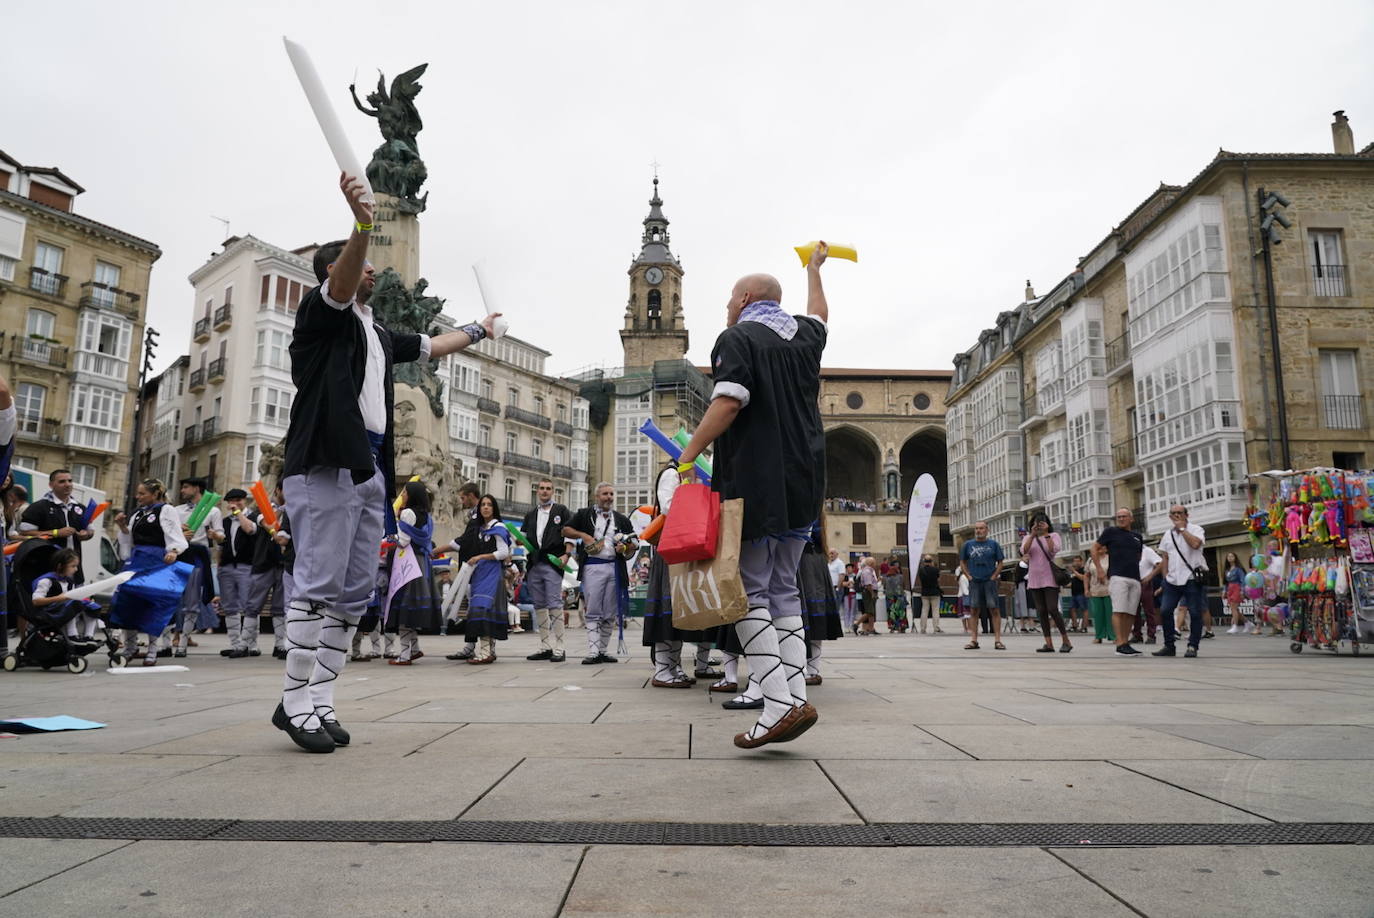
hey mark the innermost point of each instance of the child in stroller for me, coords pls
(63, 629)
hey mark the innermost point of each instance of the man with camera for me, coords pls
(1184, 570)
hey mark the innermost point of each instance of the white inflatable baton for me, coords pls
(107, 585)
(324, 114)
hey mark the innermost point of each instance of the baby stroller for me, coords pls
(46, 643)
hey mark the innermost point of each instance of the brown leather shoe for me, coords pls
(813, 680)
(731, 687)
(676, 683)
(786, 728)
(805, 721)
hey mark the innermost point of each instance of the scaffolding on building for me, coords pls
(680, 390)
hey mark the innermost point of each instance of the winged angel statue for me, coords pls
(396, 168)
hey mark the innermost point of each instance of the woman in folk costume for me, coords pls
(413, 601)
(487, 621)
(659, 632)
(820, 610)
(152, 541)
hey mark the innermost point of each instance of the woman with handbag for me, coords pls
(1044, 578)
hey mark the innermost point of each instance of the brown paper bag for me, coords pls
(710, 593)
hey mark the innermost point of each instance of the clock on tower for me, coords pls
(654, 327)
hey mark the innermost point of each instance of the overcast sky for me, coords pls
(963, 148)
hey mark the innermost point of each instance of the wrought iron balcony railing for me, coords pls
(1344, 412)
(32, 350)
(1329, 280)
(528, 463)
(48, 283)
(95, 295)
(527, 417)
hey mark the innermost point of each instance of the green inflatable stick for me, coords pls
(520, 537)
(682, 438)
(208, 501)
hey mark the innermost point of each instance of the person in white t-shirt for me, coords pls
(1184, 567)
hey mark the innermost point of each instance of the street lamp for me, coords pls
(1270, 203)
(149, 349)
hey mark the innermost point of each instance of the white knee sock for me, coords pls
(675, 651)
(703, 659)
(759, 639)
(303, 622)
(335, 633)
(731, 667)
(792, 649)
(663, 662)
(813, 664)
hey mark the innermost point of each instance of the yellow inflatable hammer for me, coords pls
(399, 503)
(847, 252)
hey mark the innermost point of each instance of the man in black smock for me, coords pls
(339, 469)
(770, 450)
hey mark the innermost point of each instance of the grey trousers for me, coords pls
(599, 596)
(544, 586)
(768, 567)
(337, 527)
(267, 586)
(235, 591)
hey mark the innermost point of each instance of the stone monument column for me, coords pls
(395, 241)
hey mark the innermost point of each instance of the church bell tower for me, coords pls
(654, 327)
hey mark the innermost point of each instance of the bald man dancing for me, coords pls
(770, 450)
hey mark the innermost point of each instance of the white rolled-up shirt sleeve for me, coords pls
(170, 522)
(329, 300)
(502, 551)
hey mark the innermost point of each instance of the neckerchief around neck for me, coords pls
(768, 312)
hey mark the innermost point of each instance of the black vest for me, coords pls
(239, 549)
(146, 528)
(470, 542)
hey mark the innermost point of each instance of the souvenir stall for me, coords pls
(1312, 570)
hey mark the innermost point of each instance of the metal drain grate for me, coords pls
(886, 835)
(97, 827)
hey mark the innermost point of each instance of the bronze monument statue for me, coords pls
(396, 168)
(404, 310)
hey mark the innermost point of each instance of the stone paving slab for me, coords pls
(26, 861)
(500, 712)
(1196, 695)
(240, 880)
(1279, 742)
(1281, 881)
(844, 740)
(1053, 713)
(1326, 790)
(1019, 792)
(1352, 710)
(303, 786)
(564, 741)
(862, 883)
(665, 790)
(1079, 742)
(257, 737)
(48, 784)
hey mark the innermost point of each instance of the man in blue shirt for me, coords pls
(981, 561)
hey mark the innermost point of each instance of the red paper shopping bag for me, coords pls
(692, 527)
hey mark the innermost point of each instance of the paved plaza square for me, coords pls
(938, 781)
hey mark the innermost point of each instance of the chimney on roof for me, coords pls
(1342, 138)
(1030, 291)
